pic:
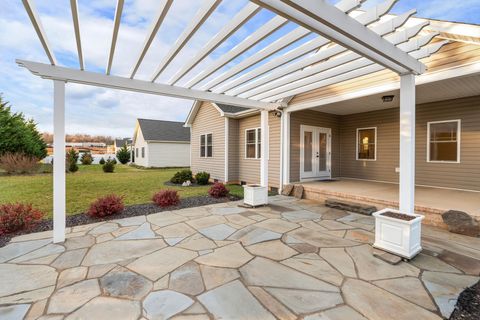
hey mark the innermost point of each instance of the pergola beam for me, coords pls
(239, 20)
(333, 57)
(368, 17)
(202, 15)
(283, 42)
(332, 68)
(116, 26)
(47, 71)
(325, 19)
(356, 73)
(260, 34)
(157, 22)
(37, 25)
(268, 82)
(76, 27)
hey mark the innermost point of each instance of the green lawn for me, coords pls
(90, 182)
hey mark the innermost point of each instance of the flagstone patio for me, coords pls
(292, 259)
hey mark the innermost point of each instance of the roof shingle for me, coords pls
(161, 130)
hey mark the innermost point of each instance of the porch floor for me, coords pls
(292, 259)
(427, 199)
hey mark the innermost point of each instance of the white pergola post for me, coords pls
(407, 143)
(59, 194)
(285, 152)
(264, 148)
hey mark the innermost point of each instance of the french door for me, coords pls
(315, 152)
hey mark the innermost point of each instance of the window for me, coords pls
(443, 141)
(206, 145)
(136, 152)
(253, 147)
(367, 144)
(143, 152)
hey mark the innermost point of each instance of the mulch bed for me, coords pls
(400, 216)
(129, 211)
(193, 184)
(468, 304)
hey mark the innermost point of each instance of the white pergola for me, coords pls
(347, 43)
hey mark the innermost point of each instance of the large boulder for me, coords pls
(462, 223)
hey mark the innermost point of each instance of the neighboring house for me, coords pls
(159, 143)
(119, 143)
(351, 129)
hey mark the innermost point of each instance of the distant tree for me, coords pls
(123, 155)
(71, 160)
(86, 158)
(19, 135)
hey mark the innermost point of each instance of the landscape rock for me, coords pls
(298, 191)
(462, 223)
(287, 190)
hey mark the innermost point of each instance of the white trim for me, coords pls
(287, 147)
(459, 140)
(195, 23)
(76, 27)
(37, 25)
(59, 176)
(101, 80)
(157, 22)
(264, 152)
(206, 145)
(116, 27)
(227, 137)
(257, 156)
(376, 144)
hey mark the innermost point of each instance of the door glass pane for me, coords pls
(308, 148)
(322, 147)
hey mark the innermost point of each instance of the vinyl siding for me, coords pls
(209, 120)
(318, 119)
(167, 154)
(463, 175)
(248, 169)
(274, 124)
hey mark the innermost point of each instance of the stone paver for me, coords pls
(122, 283)
(165, 304)
(293, 259)
(445, 288)
(234, 301)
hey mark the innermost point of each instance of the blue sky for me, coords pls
(110, 112)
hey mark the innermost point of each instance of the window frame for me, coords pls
(459, 140)
(205, 139)
(258, 152)
(357, 144)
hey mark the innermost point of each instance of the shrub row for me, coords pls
(17, 216)
(202, 178)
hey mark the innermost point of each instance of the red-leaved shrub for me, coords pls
(218, 190)
(166, 198)
(106, 206)
(18, 216)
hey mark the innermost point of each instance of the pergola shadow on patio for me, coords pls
(291, 259)
(346, 43)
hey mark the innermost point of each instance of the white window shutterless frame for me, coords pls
(315, 152)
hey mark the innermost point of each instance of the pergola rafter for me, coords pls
(347, 44)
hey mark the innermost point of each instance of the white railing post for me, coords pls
(264, 148)
(407, 143)
(59, 193)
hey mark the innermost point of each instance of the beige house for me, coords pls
(349, 131)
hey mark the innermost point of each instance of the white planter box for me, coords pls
(255, 195)
(398, 236)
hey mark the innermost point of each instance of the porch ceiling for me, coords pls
(345, 44)
(452, 88)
